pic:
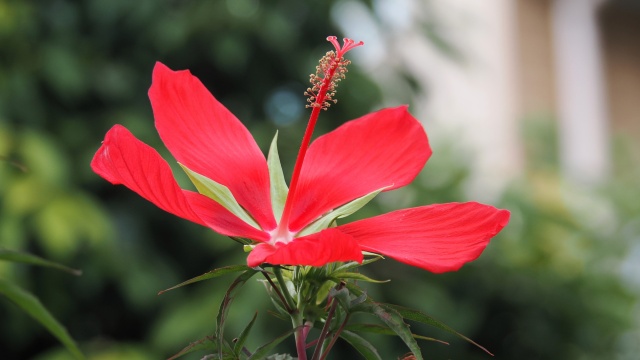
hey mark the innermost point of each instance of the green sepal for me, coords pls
(323, 291)
(419, 316)
(26, 258)
(242, 338)
(279, 189)
(325, 221)
(32, 306)
(369, 258)
(220, 194)
(394, 321)
(339, 275)
(209, 275)
(364, 347)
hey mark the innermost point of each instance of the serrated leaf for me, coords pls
(242, 338)
(226, 303)
(361, 345)
(419, 316)
(26, 258)
(281, 357)
(394, 321)
(279, 189)
(32, 306)
(220, 194)
(340, 275)
(263, 350)
(206, 343)
(345, 210)
(209, 275)
(383, 330)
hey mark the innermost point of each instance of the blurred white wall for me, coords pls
(512, 58)
(582, 109)
(471, 99)
(475, 99)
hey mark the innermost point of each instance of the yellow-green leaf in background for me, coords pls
(32, 306)
(23, 257)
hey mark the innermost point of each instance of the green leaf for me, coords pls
(242, 338)
(418, 316)
(265, 349)
(277, 303)
(209, 275)
(279, 189)
(18, 165)
(361, 345)
(340, 275)
(226, 303)
(347, 209)
(384, 330)
(22, 257)
(358, 300)
(394, 321)
(220, 194)
(355, 289)
(32, 306)
(203, 344)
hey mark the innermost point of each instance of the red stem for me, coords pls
(283, 227)
(301, 341)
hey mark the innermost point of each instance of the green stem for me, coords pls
(297, 319)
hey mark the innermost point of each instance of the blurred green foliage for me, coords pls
(548, 287)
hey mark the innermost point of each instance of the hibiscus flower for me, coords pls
(242, 194)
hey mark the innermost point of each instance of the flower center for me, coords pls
(279, 237)
(330, 70)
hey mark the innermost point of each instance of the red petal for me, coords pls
(437, 238)
(317, 249)
(384, 148)
(208, 139)
(123, 159)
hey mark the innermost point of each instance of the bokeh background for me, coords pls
(530, 105)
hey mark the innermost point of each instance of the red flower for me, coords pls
(380, 151)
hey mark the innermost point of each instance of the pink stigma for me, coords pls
(348, 45)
